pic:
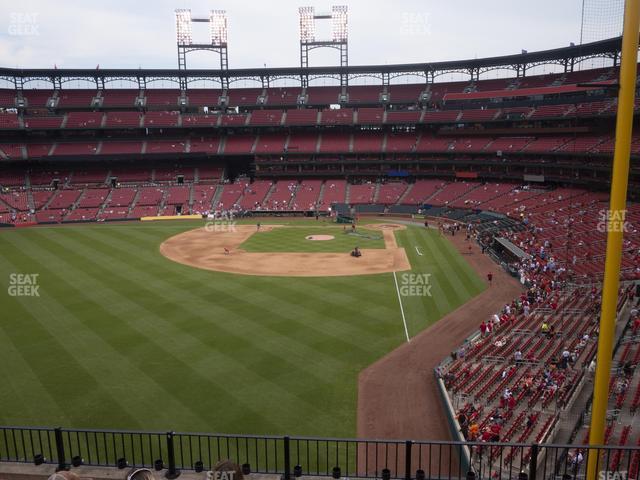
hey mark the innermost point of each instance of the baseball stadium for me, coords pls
(386, 270)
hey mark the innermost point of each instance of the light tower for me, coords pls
(217, 21)
(339, 38)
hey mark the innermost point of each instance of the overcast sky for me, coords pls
(130, 33)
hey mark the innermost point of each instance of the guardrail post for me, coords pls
(62, 462)
(407, 459)
(533, 462)
(287, 458)
(172, 471)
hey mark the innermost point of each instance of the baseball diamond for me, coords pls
(382, 264)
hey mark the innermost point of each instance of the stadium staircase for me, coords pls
(30, 202)
(435, 194)
(75, 204)
(376, 193)
(384, 144)
(5, 205)
(223, 144)
(46, 204)
(320, 200)
(267, 197)
(133, 203)
(191, 196)
(405, 194)
(106, 202)
(215, 199)
(163, 203)
(347, 194)
(291, 202)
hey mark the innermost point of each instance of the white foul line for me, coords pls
(404, 321)
(419, 252)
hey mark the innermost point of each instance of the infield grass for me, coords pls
(120, 337)
(293, 239)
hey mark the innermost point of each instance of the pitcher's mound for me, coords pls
(319, 238)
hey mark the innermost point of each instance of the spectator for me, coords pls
(552, 331)
(531, 419)
(518, 356)
(474, 430)
(544, 328)
(564, 361)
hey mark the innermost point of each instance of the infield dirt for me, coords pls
(219, 251)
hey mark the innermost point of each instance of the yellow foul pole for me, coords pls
(615, 229)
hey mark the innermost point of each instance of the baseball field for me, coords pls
(120, 326)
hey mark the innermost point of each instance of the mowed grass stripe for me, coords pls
(141, 280)
(21, 384)
(340, 402)
(235, 331)
(122, 307)
(310, 294)
(68, 354)
(262, 299)
(82, 332)
(420, 310)
(313, 382)
(164, 369)
(452, 280)
(373, 353)
(437, 302)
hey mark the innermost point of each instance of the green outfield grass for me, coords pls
(120, 337)
(292, 239)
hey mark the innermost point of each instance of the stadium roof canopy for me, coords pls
(566, 57)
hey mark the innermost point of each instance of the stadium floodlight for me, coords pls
(218, 27)
(183, 26)
(307, 24)
(339, 20)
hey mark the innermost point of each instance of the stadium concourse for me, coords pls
(520, 165)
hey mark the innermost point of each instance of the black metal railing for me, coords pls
(295, 456)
